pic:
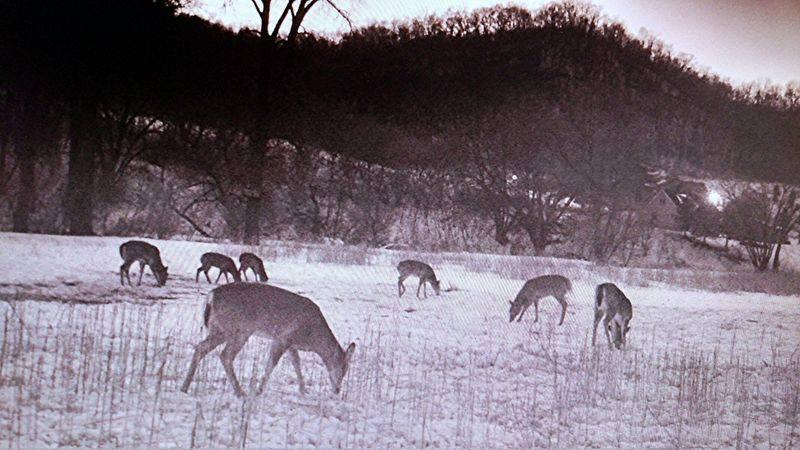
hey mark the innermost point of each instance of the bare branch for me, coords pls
(289, 7)
(341, 12)
(190, 221)
(258, 10)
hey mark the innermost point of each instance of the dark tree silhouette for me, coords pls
(762, 219)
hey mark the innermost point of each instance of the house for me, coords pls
(662, 210)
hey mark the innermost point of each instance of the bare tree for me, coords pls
(605, 148)
(508, 174)
(762, 218)
(290, 17)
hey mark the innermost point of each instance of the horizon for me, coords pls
(741, 41)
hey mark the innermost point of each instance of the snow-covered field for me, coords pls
(85, 362)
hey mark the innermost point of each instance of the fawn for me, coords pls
(254, 263)
(536, 289)
(420, 270)
(223, 263)
(610, 303)
(146, 254)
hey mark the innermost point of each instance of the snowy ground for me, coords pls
(85, 362)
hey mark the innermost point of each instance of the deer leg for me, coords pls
(418, 288)
(197, 276)
(525, 307)
(563, 303)
(244, 274)
(295, 357)
(141, 272)
(200, 351)
(401, 288)
(205, 271)
(154, 275)
(232, 348)
(622, 335)
(123, 269)
(598, 315)
(275, 352)
(536, 310)
(606, 326)
(218, 277)
(226, 277)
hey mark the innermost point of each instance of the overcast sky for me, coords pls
(742, 40)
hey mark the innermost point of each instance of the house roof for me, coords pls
(663, 192)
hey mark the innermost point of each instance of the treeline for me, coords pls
(499, 126)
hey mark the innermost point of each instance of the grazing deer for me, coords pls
(536, 289)
(236, 311)
(611, 303)
(146, 254)
(420, 270)
(254, 263)
(223, 263)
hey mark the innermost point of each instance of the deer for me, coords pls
(223, 263)
(535, 289)
(145, 254)
(420, 270)
(234, 312)
(254, 263)
(615, 308)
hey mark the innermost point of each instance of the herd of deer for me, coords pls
(236, 311)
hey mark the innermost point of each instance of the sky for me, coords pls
(740, 40)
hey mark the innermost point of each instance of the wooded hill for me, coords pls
(499, 116)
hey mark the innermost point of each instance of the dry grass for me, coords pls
(109, 375)
(523, 267)
(453, 373)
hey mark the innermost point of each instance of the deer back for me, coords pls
(271, 312)
(611, 298)
(218, 260)
(417, 268)
(545, 285)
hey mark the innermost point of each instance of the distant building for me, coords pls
(662, 210)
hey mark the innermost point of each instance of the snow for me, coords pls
(85, 362)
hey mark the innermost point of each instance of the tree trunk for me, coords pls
(83, 145)
(537, 238)
(254, 192)
(26, 194)
(500, 234)
(776, 262)
(252, 220)
(254, 184)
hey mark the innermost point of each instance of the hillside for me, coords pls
(475, 126)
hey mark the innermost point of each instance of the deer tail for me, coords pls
(598, 296)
